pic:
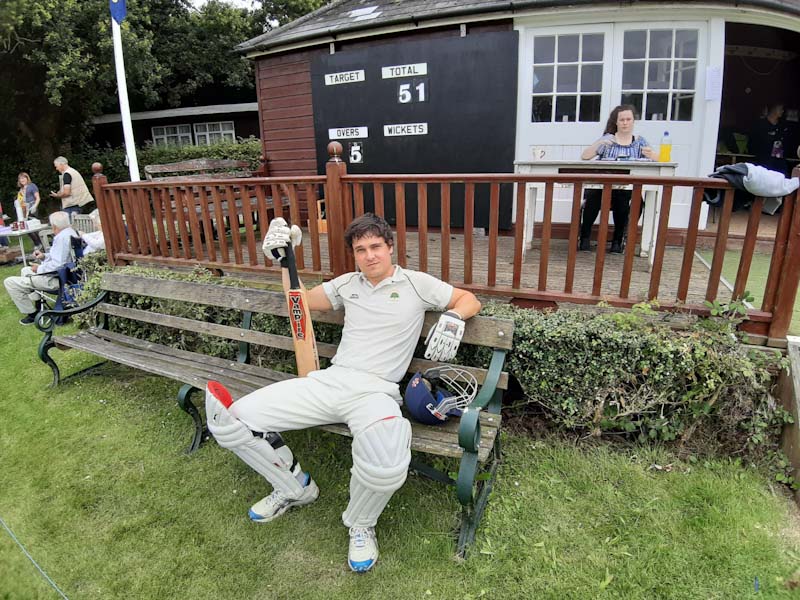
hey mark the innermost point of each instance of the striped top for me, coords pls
(615, 151)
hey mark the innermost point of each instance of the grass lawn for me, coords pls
(756, 281)
(94, 483)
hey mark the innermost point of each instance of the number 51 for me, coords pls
(406, 95)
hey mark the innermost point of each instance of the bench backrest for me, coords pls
(480, 331)
(199, 168)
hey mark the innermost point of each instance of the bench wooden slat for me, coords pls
(154, 347)
(257, 337)
(195, 374)
(479, 330)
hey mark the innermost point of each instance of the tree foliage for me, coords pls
(56, 58)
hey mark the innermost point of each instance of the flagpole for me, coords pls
(124, 108)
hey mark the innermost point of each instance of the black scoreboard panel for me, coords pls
(444, 105)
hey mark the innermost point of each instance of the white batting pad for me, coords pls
(257, 453)
(381, 454)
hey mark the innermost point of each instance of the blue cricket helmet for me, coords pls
(438, 393)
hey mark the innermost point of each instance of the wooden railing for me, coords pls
(220, 224)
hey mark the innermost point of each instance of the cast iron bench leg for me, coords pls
(186, 404)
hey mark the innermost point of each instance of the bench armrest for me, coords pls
(47, 320)
(469, 431)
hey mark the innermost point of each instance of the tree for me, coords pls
(57, 56)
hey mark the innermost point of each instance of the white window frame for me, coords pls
(556, 64)
(203, 134)
(671, 90)
(161, 137)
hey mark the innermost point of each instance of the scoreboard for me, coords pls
(430, 105)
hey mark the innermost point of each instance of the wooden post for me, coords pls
(789, 279)
(106, 212)
(334, 208)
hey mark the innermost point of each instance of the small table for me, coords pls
(651, 193)
(10, 233)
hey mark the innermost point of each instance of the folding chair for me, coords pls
(70, 281)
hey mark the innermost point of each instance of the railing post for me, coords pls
(106, 215)
(789, 279)
(334, 208)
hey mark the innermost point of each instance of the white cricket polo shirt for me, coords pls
(382, 323)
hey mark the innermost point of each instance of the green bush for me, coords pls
(623, 373)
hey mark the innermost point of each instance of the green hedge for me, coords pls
(622, 373)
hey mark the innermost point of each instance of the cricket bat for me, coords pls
(305, 345)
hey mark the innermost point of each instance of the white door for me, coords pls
(572, 76)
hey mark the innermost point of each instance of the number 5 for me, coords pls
(404, 96)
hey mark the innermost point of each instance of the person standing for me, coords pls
(617, 143)
(769, 139)
(72, 190)
(384, 308)
(27, 203)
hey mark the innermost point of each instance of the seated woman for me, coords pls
(617, 143)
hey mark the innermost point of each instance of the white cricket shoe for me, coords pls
(363, 552)
(273, 506)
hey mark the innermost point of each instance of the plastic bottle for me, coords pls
(665, 150)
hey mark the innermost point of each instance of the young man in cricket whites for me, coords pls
(384, 312)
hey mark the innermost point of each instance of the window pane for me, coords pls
(633, 75)
(227, 125)
(565, 108)
(544, 49)
(656, 107)
(661, 44)
(635, 44)
(658, 75)
(200, 128)
(568, 48)
(158, 131)
(634, 100)
(684, 74)
(184, 129)
(682, 106)
(228, 136)
(171, 130)
(567, 80)
(592, 47)
(686, 43)
(542, 109)
(590, 108)
(542, 79)
(591, 78)
(213, 126)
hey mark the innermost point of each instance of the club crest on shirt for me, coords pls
(394, 297)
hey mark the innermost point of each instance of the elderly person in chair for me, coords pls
(42, 276)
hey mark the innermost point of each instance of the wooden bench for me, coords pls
(473, 438)
(199, 168)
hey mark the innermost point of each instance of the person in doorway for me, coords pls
(42, 276)
(768, 140)
(385, 309)
(617, 143)
(72, 190)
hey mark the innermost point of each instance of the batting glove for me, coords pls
(279, 236)
(444, 337)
